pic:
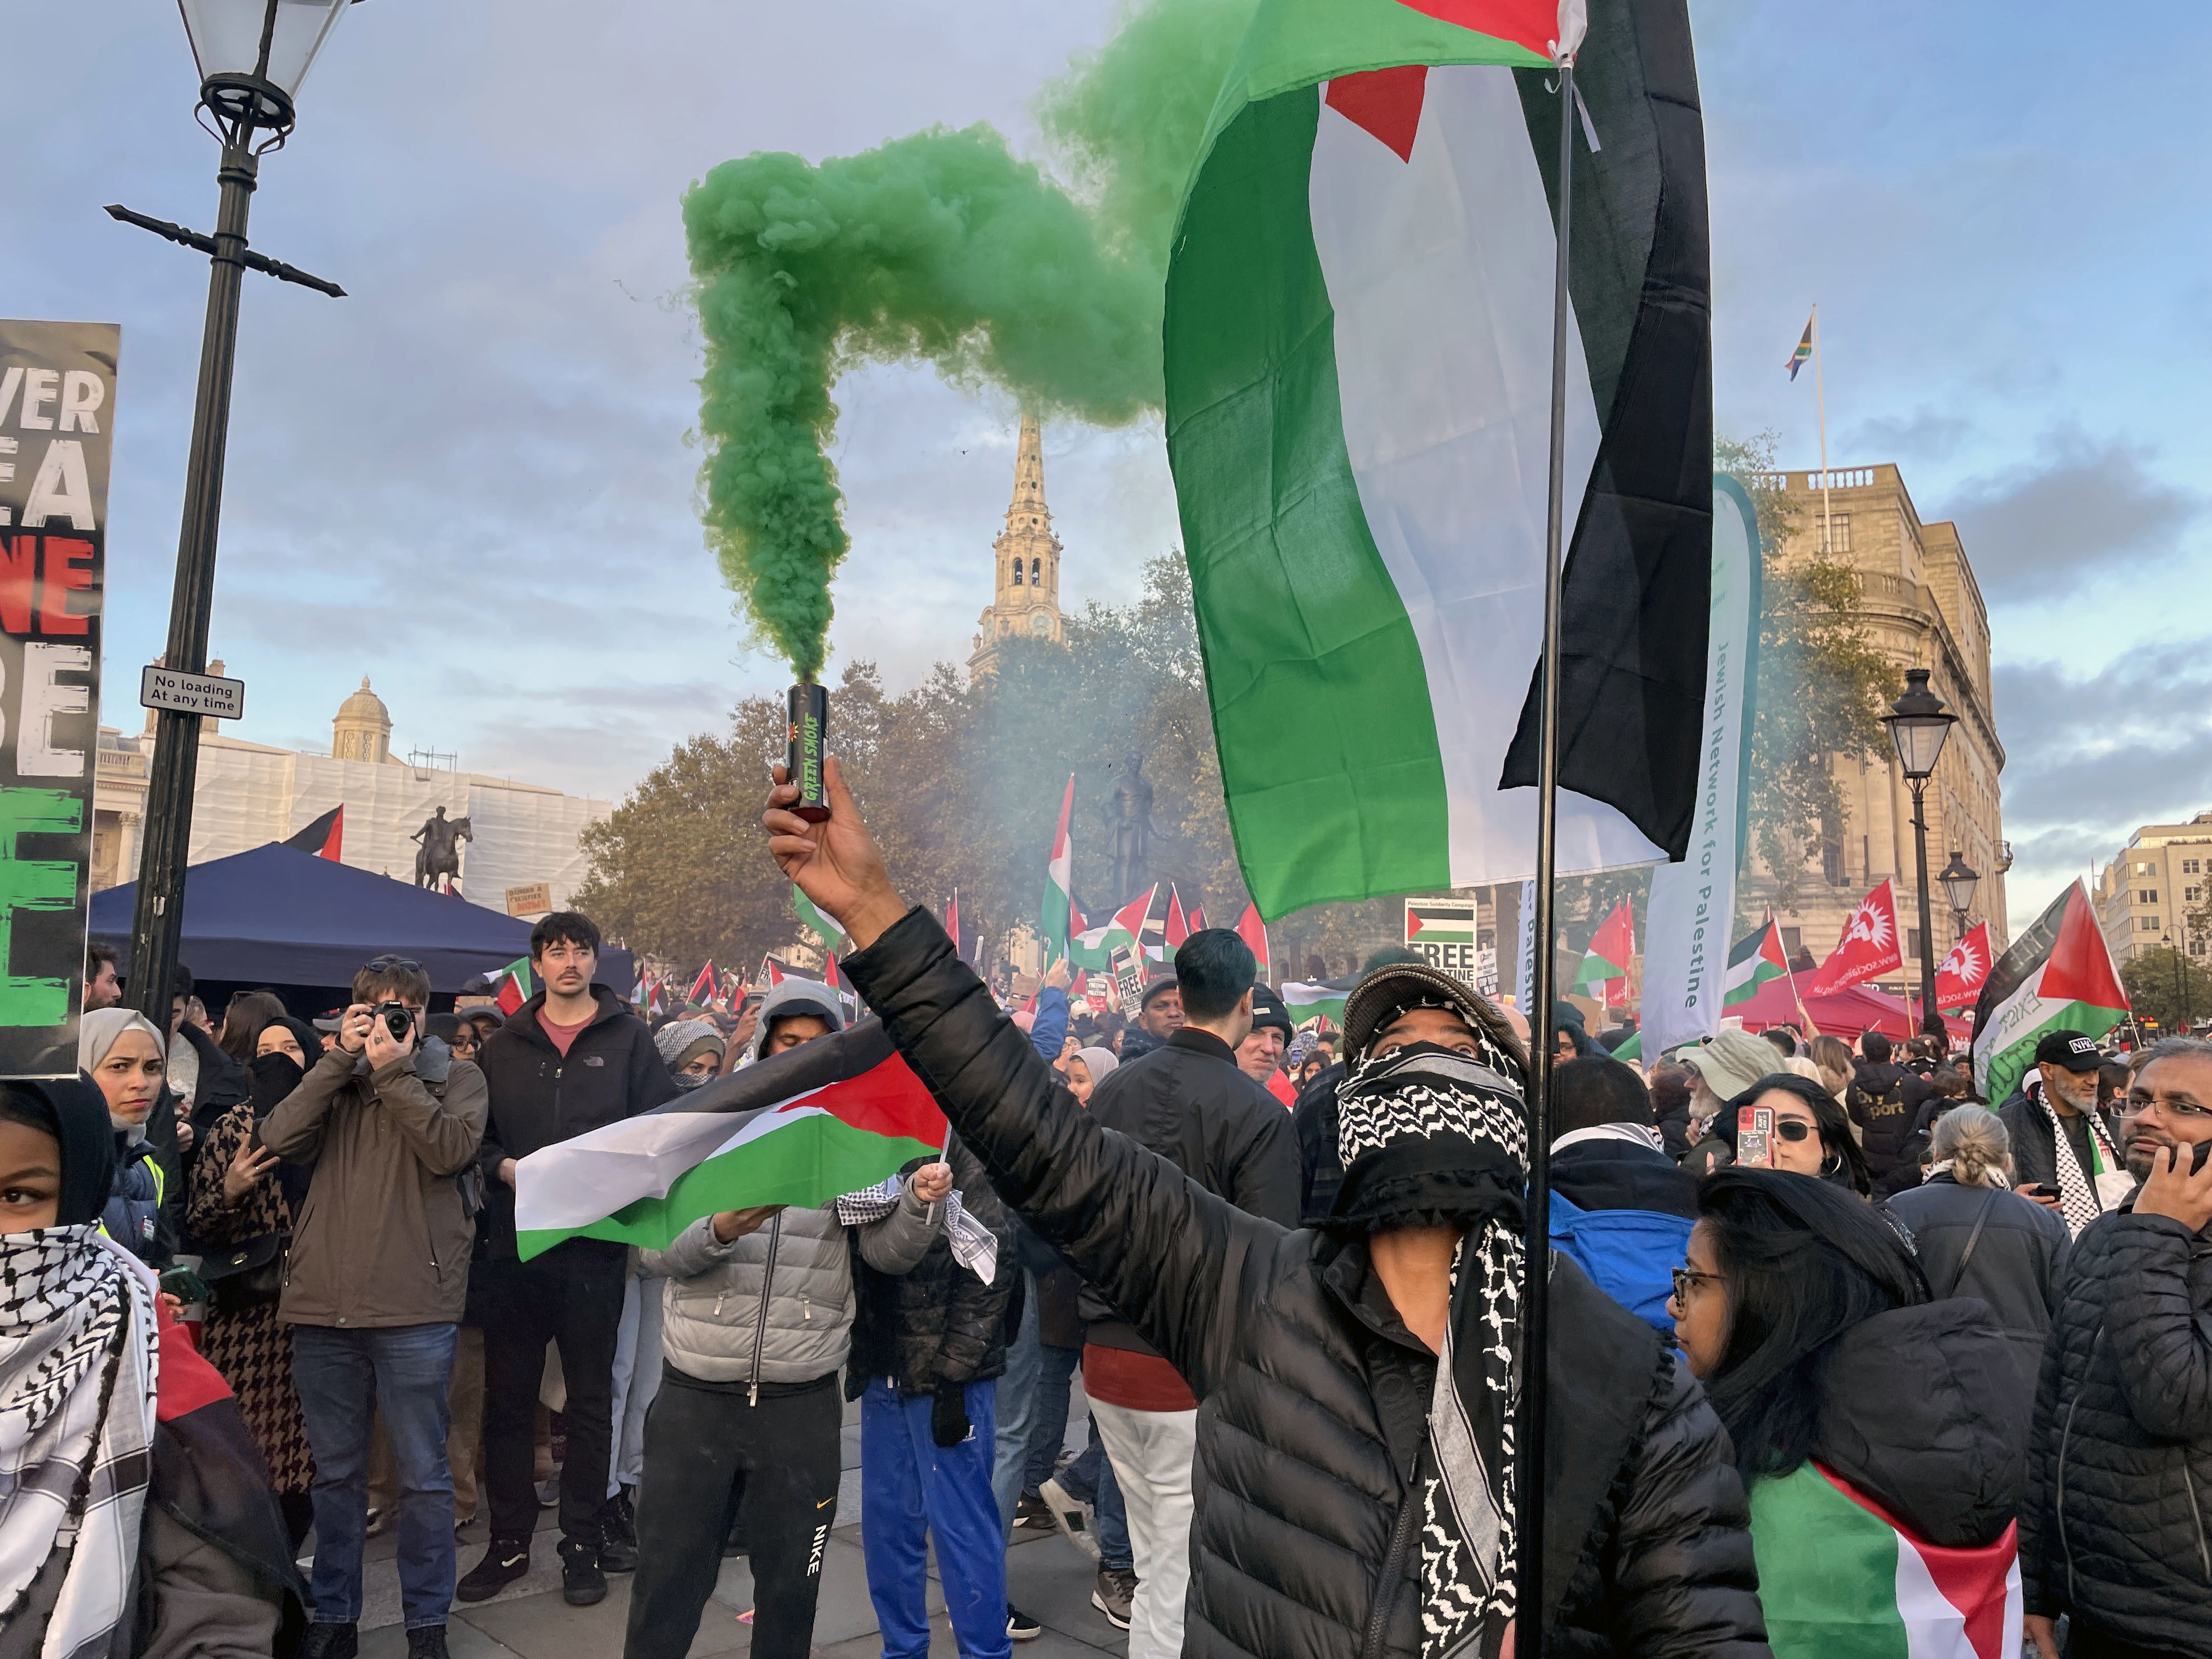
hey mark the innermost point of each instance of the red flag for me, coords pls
(325, 837)
(1197, 920)
(1178, 926)
(952, 925)
(1254, 932)
(1869, 948)
(1958, 981)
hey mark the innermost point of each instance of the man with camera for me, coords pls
(389, 1123)
(572, 1059)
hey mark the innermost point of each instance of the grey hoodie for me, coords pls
(818, 1000)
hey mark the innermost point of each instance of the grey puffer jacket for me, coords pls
(2118, 1525)
(775, 1305)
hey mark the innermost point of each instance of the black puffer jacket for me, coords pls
(1313, 1397)
(1884, 1101)
(2118, 1525)
(938, 1323)
(1314, 1121)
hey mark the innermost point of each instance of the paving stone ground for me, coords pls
(1046, 1577)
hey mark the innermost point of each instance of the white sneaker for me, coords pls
(1078, 1520)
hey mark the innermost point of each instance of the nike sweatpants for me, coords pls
(708, 1457)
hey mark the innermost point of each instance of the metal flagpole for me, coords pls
(1535, 1312)
(1820, 404)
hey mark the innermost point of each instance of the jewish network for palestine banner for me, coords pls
(1841, 1578)
(827, 1118)
(1357, 354)
(2057, 977)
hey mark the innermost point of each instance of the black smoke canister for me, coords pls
(809, 708)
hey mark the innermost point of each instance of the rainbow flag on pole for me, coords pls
(821, 1119)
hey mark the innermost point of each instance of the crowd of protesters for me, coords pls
(1286, 1266)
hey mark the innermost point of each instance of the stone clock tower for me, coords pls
(1025, 587)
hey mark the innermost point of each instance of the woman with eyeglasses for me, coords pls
(1812, 1133)
(1868, 1420)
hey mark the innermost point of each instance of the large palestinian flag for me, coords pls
(827, 1118)
(2057, 977)
(1841, 1578)
(1358, 367)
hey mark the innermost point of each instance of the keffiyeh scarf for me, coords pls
(2082, 1192)
(79, 1348)
(974, 1245)
(1431, 1135)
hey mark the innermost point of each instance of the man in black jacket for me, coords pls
(1884, 1100)
(2055, 1108)
(1189, 1102)
(2115, 1529)
(1323, 1358)
(570, 1060)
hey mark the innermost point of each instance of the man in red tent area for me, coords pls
(1356, 1381)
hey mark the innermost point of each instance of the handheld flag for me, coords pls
(1056, 909)
(1091, 948)
(1803, 355)
(1958, 981)
(1178, 928)
(702, 989)
(513, 986)
(1756, 958)
(1358, 365)
(803, 1128)
(325, 837)
(1254, 932)
(1607, 959)
(1322, 999)
(1869, 948)
(2056, 976)
(824, 926)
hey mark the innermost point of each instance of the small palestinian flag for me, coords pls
(1803, 355)
(1841, 1578)
(1093, 947)
(1356, 356)
(1439, 924)
(825, 927)
(325, 837)
(2057, 977)
(702, 989)
(1610, 948)
(1322, 999)
(1056, 909)
(1254, 932)
(826, 1118)
(1756, 958)
(1178, 926)
(514, 985)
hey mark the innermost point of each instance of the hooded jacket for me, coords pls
(539, 1096)
(814, 999)
(775, 1305)
(384, 1236)
(1623, 1211)
(2116, 1527)
(1884, 1101)
(1313, 1398)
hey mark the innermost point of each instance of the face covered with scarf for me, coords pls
(78, 1337)
(1433, 1138)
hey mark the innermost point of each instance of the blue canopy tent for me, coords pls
(302, 925)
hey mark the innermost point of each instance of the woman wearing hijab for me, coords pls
(1086, 1069)
(166, 1542)
(239, 1209)
(692, 1051)
(124, 1054)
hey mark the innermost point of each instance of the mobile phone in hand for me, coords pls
(1754, 1137)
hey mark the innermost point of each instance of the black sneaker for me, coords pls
(427, 1642)
(506, 1560)
(331, 1642)
(1116, 1589)
(1020, 1627)
(619, 1536)
(582, 1583)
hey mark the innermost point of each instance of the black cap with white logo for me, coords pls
(2071, 1050)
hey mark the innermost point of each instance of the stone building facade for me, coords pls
(1025, 564)
(1923, 609)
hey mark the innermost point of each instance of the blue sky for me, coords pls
(470, 479)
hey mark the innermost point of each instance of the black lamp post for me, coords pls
(1919, 724)
(1959, 879)
(252, 54)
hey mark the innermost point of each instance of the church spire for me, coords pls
(1025, 560)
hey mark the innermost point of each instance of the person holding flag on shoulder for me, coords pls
(1357, 1381)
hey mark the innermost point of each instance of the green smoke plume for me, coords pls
(942, 246)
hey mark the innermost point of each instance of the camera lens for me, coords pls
(399, 1020)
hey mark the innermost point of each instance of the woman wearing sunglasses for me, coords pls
(1812, 1133)
(1868, 1420)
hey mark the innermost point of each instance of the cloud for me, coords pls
(2050, 526)
(1924, 435)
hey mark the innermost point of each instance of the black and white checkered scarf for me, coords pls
(79, 1352)
(1430, 1135)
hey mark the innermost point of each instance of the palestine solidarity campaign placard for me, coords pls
(57, 409)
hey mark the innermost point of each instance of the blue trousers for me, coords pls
(1091, 1476)
(342, 1377)
(913, 1490)
(1017, 1405)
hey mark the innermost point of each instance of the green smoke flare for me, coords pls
(946, 247)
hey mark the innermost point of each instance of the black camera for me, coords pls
(399, 1019)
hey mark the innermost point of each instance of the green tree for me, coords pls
(2164, 985)
(1823, 683)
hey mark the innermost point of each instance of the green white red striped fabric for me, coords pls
(829, 1117)
(1840, 1578)
(1056, 910)
(1752, 961)
(1124, 929)
(1610, 948)
(1357, 361)
(2057, 977)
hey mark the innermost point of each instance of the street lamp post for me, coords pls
(252, 55)
(1919, 724)
(1959, 879)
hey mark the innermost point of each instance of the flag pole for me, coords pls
(1820, 404)
(1535, 1380)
